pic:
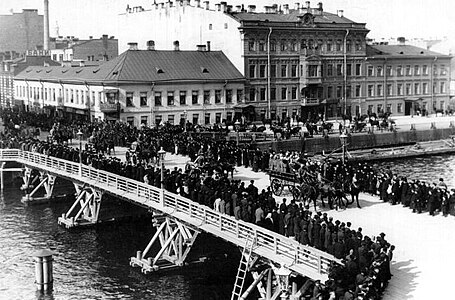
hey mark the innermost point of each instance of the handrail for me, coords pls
(269, 244)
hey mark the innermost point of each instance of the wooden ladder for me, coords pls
(243, 269)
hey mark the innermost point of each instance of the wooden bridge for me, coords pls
(179, 221)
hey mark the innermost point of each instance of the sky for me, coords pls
(384, 18)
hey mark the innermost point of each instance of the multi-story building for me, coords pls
(299, 62)
(10, 68)
(139, 87)
(21, 31)
(403, 79)
(71, 49)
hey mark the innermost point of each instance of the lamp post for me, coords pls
(237, 127)
(79, 134)
(185, 115)
(343, 139)
(161, 154)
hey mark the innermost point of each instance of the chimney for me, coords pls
(340, 13)
(81, 63)
(201, 48)
(320, 7)
(286, 9)
(207, 5)
(223, 6)
(90, 37)
(251, 8)
(401, 40)
(267, 9)
(176, 46)
(46, 25)
(297, 6)
(150, 45)
(132, 46)
(197, 3)
(274, 8)
(208, 46)
(218, 7)
(307, 4)
(46, 64)
(238, 8)
(104, 37)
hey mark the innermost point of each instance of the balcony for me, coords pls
(309, 101)
(109, 107)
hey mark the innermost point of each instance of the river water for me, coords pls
(93, 262)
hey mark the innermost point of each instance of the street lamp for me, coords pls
(237, 127)
(79, 134)
(161, 154)
(185, 115)
(343, 139)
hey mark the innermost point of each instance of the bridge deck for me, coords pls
(287, 252)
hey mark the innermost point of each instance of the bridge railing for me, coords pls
(268, 243)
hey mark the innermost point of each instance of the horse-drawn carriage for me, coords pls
(210, 167)
(307, 187)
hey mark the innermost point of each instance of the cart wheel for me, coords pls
(277, 187)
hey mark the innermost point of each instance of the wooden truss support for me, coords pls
(85, 209)
(175, 240)
(47, 182)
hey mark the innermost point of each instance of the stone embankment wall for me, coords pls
(359, 141)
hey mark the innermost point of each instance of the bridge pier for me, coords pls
(175, 239)
(89, 201)
(47, 182)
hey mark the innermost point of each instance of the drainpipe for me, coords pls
(63, 97)
(42, 93)
(432, 81)
(269, 112)
(152, 87)
(89, 102)
(345, 73)
(28, 94)
(384, 90)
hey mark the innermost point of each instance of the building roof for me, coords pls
(401, 51)
(146, 66)
(292, 17)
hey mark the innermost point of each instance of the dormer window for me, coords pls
(204, 70)
(159, 71)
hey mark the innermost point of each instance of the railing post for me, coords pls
(319, 264)
(221, 221)
(275, 244)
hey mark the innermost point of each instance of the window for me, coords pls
(399, 108)
(294, 93)
(262, 71)
(284, 93)
(339, 91)
(210, 26)
(416, 70)
(425, 88)
(408, 70)
(348, 91)
(130, 121)
(329, 45)
(272, 70)
(389, 108)
(293, 70)
(182, 98)
(71, 95)
(443, 70)
(283, 45)
(144, 120)
(330, 92)
(272, 46)
(170, 119)
(408, 89)
(207, 118)
(339, 69)
(228, 96)
(441, 105)
(379, 108)
(443, 87)
(195, 118)
(218, 118)
(239, 96)
(370, 108)
(250, 45)
(206, 97)
(400, 89)
(399, 71)
(312, 71)
(170, 98)
(348, 69)
(370, 90)
(338, 45)
(262, 94)
(358, 45)
(370, 71)
(252, 71)
(294, 46)
(329, 70)
(229, 116)
(284, 70)
(357, 69)
(252, 94)
(357, 90)
(272, 93)
(389, 71)
(348, 46)
(379, 71)
(389, 90)
(129, 98)
(158, 101)
(425, 70)
(77, 97)
(194, 97)
(217, 96)
(225, 25)
(143, 98)
(416, 88)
